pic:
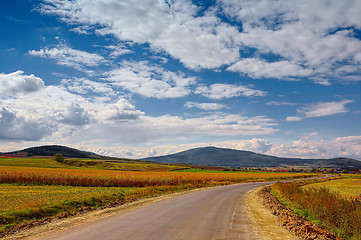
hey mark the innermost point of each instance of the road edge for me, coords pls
(263, 221)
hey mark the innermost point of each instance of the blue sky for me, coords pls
(144, 78)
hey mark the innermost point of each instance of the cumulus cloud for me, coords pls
(219, 91)
(69, 57)
(327, 42)
(174, 27)
(68, 111)
(13, 127)
(150, 80)
(254, 145)
(17, 82)
(205, 106)
(75, 115)
(339, 147)
(120, 111)
(200, 38)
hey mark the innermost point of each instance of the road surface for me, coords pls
(216, 213)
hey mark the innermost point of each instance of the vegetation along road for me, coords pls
(215, 213)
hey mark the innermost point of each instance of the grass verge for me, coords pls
(339, 214)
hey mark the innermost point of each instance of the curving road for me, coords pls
(216, 213)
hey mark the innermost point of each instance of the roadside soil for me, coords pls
(264, 221)
(299, 226)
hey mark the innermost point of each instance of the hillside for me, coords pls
(235, 158)
(51, 150)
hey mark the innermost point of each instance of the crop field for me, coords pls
(347, 187)
(17, 197)
(108, 178)
(325, 204)
(38, 188)
(48, 162)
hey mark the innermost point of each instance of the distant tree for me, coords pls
(59, 158)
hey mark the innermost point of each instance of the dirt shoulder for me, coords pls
(264, 221)
(285, 217)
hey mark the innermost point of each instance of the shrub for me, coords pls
(59, 158)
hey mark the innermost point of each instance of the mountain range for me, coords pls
(224, 157)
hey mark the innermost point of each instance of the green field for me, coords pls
(17, 197)
(347, 187)
(31, 162)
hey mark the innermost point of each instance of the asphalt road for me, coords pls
(216, 213)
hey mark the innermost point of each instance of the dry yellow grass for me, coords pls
(347, 187)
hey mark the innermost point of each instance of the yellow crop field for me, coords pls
(347, 187)
(108, 178)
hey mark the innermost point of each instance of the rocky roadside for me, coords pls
(294, 223)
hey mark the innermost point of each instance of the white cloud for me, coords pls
(254, 145)
(167, 128)
(258, 68)
(117, 50)
(75, 115)
(14, 127)
(293, 118)
(174, 27)
(325, 109)
(202, 40)
(64, 111)
(69, 57)
(205, 106)
(86, 86)
(219, 91)
(320, 109)
(16, 83)
(300, 35)
(150, 80)
(276, 103)
(119, 111)
(340, 147)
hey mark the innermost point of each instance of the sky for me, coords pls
(137, 78)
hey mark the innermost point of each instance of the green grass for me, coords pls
(16, 197)
(31, 162)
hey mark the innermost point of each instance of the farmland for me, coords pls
(334, 204)
(348, 187)
(37, 188)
